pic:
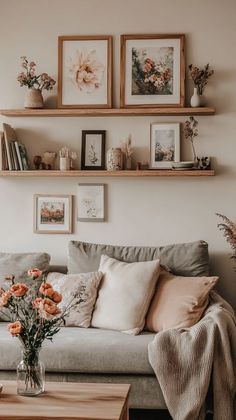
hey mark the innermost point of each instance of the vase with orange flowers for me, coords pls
(36, 316)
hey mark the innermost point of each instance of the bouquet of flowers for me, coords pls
(35, 317)
(200, 76)
(30, 79)
(190, 132)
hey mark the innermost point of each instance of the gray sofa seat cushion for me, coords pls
(187, 259)
(87, 350)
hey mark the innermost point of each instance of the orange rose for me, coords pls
(36, 302)
(15, 328)
(34, 273)
(46, 289)
(4, 298)
(48, 309)
(19, 289)
(56, 297)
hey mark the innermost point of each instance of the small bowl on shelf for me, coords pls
(183, 166)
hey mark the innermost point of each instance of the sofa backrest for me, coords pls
(187, 259)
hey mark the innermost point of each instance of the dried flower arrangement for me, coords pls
(190, 132)
(31, 80)
(127, 148)
(229, 230)
(200, 76)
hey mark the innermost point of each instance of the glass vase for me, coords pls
(30, 373)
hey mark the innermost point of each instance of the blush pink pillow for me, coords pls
(178, 302)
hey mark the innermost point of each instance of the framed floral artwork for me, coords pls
(152, 71)
(52, 213)
(85, 71)
(90, 203)
(93, 149)
(164, 145)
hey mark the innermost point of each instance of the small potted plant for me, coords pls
(35, 84)
(200, 79)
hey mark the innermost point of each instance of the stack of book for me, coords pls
(13, 155)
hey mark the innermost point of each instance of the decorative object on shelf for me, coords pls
(204, 162)
(228, 228)
(85, 71)
(114, 159)
(52, 213)
(200, 79)
(152, 70)
(91, 203)
(48, 160)
(164, 145)
(93, 149)
(190, 132)
(35, 316)
(128, 151)
(15, 155)
(35, 84)
(66, 158)
(180, 166)
(37, 162)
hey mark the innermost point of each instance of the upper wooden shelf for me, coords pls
(133, 173)
(112, 112)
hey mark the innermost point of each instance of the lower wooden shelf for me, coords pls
(133, 173)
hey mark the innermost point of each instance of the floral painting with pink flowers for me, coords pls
(84, 71)
(152, 71)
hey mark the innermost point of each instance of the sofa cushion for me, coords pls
(80, 286)
(88, 350)
(125, 294)
(188, 259)
(178, 302)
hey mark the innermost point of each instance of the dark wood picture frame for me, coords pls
(123, 64)
(94, 167)
(61, 40)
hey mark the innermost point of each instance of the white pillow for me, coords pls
(125, 293)
(72, 285)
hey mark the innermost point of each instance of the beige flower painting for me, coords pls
(86, 71)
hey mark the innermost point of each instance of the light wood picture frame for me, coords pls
(91, 202)
(152, 70)
(53, 213)
(164, 145)
(85, 71)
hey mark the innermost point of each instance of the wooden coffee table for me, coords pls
(67, 401)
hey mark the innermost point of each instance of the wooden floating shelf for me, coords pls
(117, 174)
(112, 112)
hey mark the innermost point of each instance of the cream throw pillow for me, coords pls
(178, 302)
(125, 294)
(84, 285)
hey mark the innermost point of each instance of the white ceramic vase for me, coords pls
(195, 100)
(64, 163)
(33, 98)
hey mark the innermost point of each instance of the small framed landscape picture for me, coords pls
(90, 203)
(152, 70)
(85, 71)
(52, 213)
(93, 149)
(164, 145)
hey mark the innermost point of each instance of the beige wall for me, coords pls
(140, 211)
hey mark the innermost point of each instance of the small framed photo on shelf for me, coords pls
(152, 70)
(164, 145)
(90, 203)
(93, 150)
(85, 71)
(52, 213)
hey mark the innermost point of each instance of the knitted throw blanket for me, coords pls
(183, 361)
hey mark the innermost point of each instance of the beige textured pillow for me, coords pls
(125, 294)
(178, 302)
(71, 285)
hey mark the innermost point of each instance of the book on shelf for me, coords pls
(3, 153)
(16, 155)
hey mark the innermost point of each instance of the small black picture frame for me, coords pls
(93, 150)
